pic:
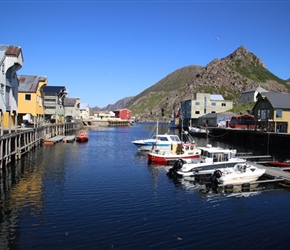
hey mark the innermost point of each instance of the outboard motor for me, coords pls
(177, 166)
(214, 179)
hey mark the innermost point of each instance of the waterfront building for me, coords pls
(250, 95)
(85, 111)
(124, 114)
(11, 60)
(31, 99)
(202, 104)
(53, 103)
(272, 111)
(72, 108)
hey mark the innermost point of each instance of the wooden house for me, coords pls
(124, 114)
(11, 60)
(53, 103)
(31, 98)
(272, 111)
(72, 108)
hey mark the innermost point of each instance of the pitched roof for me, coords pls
(29, 84)
(8, 50)
(277, 99)
(69, 101)
(258, 89)
(54, 90)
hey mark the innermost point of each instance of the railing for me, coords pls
(14, 145)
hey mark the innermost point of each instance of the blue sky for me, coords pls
(103, 51)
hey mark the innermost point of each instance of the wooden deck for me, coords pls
(69, 138)
(59, 138)
(274, 173)
(53, 140)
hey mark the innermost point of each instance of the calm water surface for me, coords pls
(103, 195)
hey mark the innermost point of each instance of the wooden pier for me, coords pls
(15, 143)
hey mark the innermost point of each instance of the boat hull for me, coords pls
(167, 160)
(280, 164)
(207, 168)
(239, 178)
(82, 137)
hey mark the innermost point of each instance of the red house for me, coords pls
(245, 121)
(124, 114)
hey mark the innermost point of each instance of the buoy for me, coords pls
(229, 188)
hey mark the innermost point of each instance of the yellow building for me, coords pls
(31, 98)
(272, 112)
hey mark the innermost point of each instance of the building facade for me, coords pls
(272, 112)
(31, 98)
(72, 109)
(11, 60)
(202, 104)
(53, 103)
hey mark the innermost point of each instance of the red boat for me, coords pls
(82, 137)
(176, 151)
(280, 164)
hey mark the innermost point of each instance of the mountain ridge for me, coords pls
(228, 76)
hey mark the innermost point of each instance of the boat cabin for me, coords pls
(211, 154)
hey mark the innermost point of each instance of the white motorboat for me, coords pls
(197, 131)
(239, 174)
(164, 140)
(210, 158)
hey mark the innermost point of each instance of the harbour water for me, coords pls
(103, 195)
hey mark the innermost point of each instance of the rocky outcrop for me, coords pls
(229, 76)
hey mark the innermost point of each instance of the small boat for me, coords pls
(82, 137)
(210, 158)
(178, 149)
(239, 174)
(280, 164)
(198, 131)
(164, 140)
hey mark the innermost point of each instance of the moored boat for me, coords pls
(164, 140)
(210, 158)
(240, 173)
(178, 150)
(198, 131)
(281, 164)
(82, 137)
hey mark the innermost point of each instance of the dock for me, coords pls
(53, 140)
(275, 174)
(69, 138)
(59, 138)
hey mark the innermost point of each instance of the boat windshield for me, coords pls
(174, 138)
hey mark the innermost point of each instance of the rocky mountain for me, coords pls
(119, 104)
(229, 76)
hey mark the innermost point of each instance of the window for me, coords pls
(197, 103)
(278, 113)
(197, 112)
(213, 104)
(224, 104)
(27, 97)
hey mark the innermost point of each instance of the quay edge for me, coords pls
(267, 140)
